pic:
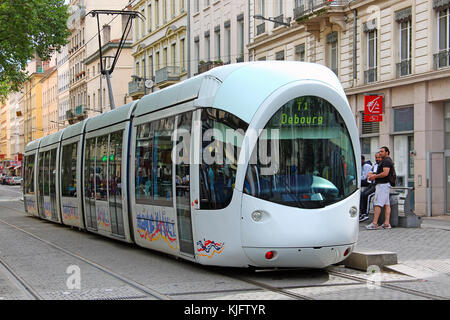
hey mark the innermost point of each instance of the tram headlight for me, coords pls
(257, 216)
(353, 211)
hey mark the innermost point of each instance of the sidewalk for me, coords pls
(423, 253)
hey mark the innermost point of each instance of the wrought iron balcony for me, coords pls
(205, 66)
(312, 6)
(80, 110)
(136, 86)
(313, 13)
(260, 28)
(279, 21)
(167, 74)
(404, 68)
(441, 59)
(370, 75)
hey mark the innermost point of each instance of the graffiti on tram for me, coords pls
(208, 248)
(103, 218)
(31, 205)
(70, 214)
(157, 226)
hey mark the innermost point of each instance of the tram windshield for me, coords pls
(304, 157)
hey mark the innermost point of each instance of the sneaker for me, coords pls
(363, 217)
(386, 226)
(372, 226)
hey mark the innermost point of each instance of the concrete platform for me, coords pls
(362, 259)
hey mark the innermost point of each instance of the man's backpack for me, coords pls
(392, 176)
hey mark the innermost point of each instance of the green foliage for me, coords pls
(28, 27)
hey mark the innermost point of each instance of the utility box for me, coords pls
(409, 221)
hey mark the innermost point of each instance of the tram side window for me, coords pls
(162, 153)
(143, 163)
(52, 172)
(115, 165)
(40, 181)
(46, 171)
(101, 183)
(222, 136)
(89, 164)
(154, 163)
(69, 170)
(29, 174)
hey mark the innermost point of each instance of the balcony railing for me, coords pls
(169, 73)
(80, 110)
(136, 86)
(404, 68)
(310, 6)
(370, 75)
(441, 59)
(260, 28)
(279, 21)
(205, 66)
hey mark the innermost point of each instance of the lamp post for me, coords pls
(274, 20)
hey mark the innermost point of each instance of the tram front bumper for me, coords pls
(316, 257)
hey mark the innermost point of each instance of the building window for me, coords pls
(279, 55)
(369, 28)
(240, 38)
(227, 41)
(403, 17)
(183, 55)
(300, 52)
(197, 51)
(403, 119)
(332, 44)
(196, 5)
(441, 59)
(369, 128)
(207, 46)
(217, 41)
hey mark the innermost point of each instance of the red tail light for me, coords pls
(269, 255)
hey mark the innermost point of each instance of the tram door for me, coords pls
(103, 183)
(40, 187)
(182, 182)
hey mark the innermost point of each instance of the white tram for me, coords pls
(250, 164)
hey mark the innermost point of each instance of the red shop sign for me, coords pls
(373, 117)
(373, 104)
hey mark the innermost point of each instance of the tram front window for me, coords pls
(304, 157)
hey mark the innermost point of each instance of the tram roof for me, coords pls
(50, 139)
(32, 145)
(109, 118)
(238, 88)
(73, 130)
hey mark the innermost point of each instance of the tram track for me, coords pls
(259, 285)
(144, 289)
(17, 281)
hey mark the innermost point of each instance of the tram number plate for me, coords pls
(373, 118)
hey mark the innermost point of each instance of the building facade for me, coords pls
(62, 65)
(31, 100)
(160, 44)
(219, 33)
(396, 49)
(49, 84)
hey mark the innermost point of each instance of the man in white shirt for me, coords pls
(368, 192)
